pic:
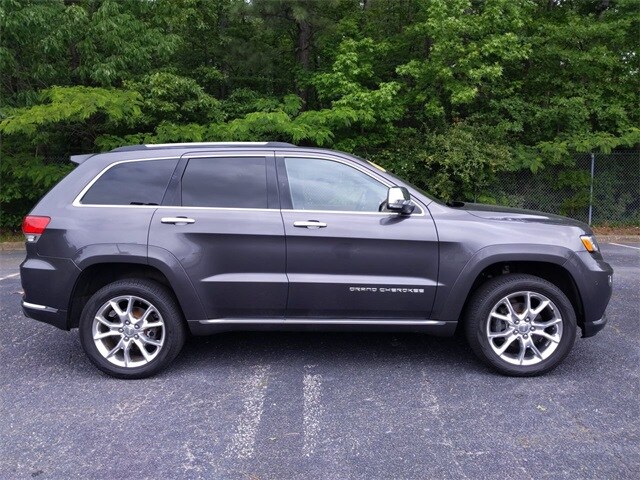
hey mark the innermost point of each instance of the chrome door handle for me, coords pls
(177, 220)
(309, 224)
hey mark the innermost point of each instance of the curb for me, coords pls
(618, 238)
(19, 246)
(11, 246)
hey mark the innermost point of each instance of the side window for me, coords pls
(132, 183)
(239, 182)
(317, 184)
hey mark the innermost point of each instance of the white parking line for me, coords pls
(312, 412)
(617, 244)
(254, 390)
(9, 276)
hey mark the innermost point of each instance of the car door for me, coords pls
(345, 258)
(224, 226)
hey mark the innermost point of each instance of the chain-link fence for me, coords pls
(599, 189)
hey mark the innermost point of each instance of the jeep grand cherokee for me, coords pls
(141, 245)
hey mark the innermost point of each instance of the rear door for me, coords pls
(345, 258)
(224, 227)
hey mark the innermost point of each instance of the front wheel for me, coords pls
(132, 328)
(521, 325)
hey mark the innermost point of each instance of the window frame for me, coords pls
(285, 192)
(176, 189)
(172, 196)
(77, 202)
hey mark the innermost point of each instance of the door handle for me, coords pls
(177, 220)
(309, 224)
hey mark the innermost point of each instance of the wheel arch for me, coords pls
(544, 261)
(162, 267)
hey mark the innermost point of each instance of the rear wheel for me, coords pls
(132, 328)
(521, 325)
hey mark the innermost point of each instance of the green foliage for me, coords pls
(448, 93)
(68, 105)
(167, 97)
(24, 180)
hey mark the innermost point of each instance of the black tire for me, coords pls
(488, 296)
(173, 331)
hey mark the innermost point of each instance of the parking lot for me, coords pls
(331, 405)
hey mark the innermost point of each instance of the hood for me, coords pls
(495, 212)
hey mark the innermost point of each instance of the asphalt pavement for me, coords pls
(321, 405)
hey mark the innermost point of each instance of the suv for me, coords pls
(141, 245)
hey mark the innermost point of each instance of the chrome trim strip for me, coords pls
(306, 321)
(350, 212)
(179, 207)
(34, 306)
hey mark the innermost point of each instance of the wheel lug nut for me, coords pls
(525, 335)
(517, 322)
(136, 336)
(137, 325)
(127, 322)
(120, 330)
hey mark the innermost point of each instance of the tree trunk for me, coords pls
(303, 55)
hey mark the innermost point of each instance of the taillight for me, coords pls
(33, 227)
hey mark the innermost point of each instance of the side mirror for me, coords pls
(399, 200)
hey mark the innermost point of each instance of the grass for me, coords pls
(9, 236)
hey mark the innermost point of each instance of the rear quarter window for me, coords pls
(132, 183)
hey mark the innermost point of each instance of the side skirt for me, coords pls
(217, 325)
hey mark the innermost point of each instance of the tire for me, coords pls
(512, 339)
(155, 325)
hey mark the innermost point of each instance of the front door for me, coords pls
(345, 258)
(226, 231)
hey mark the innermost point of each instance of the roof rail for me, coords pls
(150, 146)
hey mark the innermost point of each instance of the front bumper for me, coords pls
(589, 329)
(594, 280)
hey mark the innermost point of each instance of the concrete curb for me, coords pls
(11, 246)
(19, 246)
(618, 238)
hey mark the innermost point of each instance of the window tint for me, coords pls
(239, 182)
(132, 183)
(325, 185)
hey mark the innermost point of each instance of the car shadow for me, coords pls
(327, 349)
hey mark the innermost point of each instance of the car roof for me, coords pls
(147, 151)
(155, 147)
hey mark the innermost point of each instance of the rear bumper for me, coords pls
(42, 313)
(47, 283)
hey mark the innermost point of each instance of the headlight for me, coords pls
(590, 243)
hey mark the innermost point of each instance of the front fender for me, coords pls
(453, 289)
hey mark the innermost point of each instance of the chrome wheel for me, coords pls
(524, 328)
(128, 331)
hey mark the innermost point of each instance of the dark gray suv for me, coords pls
(141, 245)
